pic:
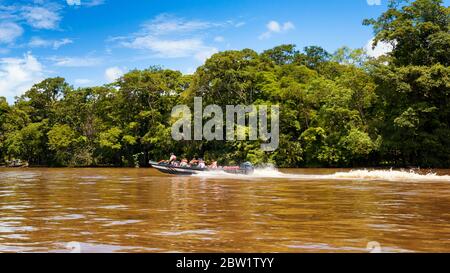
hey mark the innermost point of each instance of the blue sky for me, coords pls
(91, 42)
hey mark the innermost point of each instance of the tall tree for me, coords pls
(419, 31)
(414, 87)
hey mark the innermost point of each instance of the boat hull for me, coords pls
(188, 171)
(168, 169)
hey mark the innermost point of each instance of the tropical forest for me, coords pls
(337, 109)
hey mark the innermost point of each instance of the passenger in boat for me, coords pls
(213, 165)
(201, 164)
(184, 163)
(193, 162)
(173, 158)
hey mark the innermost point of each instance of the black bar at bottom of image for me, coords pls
(225, 262)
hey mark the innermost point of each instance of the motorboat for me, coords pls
(175, 169)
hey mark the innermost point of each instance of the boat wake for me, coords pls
(353, 175)
(393, 175)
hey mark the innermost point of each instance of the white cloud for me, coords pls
(203, 55)
(374, 2)
(219, 39)
(73, 2)
(17, 75)
(381, 49)
(189, 71)
(170, 48)
(75, 61)
(39, 42)
(58, 43)
(276, 27)
(265, 35)
(165, 24)
(8, 12)
(91, 3)
(170, 37)
(288, 26)
(9, 32)
(38, 14)
(113, 73)
(55, 44)
(41, 17)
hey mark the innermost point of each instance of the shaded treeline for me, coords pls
(341, 109)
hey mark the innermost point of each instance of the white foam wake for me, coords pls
(392, 175)
(362, 175)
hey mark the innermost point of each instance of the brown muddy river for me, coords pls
(140, 210)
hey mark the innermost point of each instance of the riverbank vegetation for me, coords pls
(337, 109)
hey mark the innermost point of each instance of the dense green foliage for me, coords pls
(341, 109)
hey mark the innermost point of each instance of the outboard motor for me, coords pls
(248, 168)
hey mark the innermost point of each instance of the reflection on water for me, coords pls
(140, 210)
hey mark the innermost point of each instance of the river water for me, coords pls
(141, 210)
